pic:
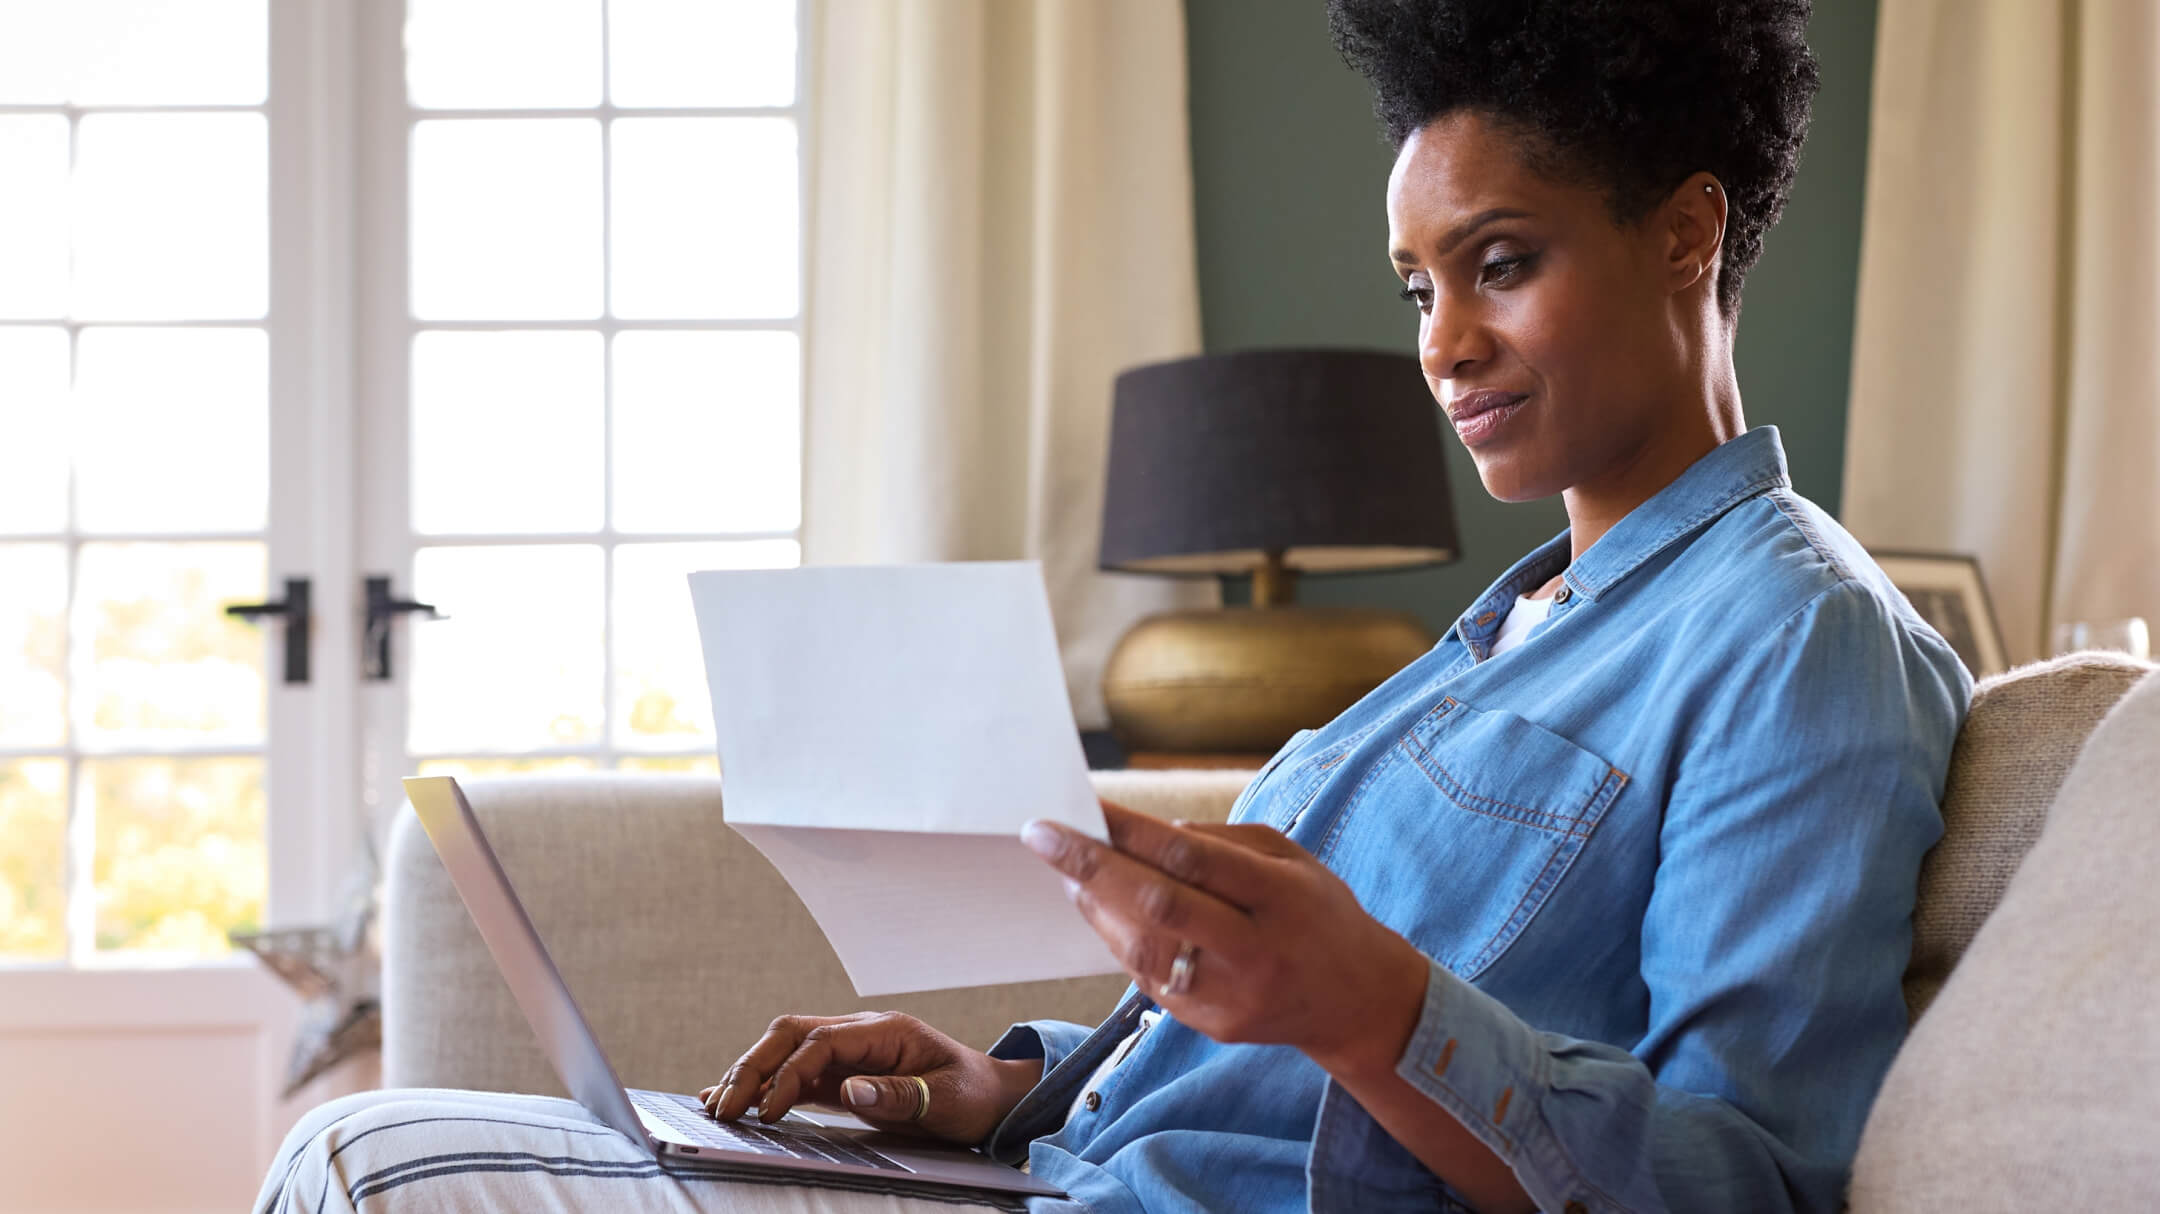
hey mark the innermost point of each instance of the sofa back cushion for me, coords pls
(2024, 729)
(679, 941)
(2034, 1083)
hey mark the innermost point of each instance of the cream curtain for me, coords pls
(2006, 390)
(1002, 211)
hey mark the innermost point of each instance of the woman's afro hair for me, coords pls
(1629, 95)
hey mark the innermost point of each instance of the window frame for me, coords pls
(307, 755)
(386, 328)
(339, 334)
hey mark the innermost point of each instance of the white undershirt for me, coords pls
(1527, 614)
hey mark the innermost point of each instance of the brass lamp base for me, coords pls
(1244, 679)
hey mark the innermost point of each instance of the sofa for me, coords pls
(677, 938)
(2035, 1050)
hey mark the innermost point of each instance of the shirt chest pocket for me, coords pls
(1461, 832)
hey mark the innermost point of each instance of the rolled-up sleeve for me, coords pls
(1049, 1040)
(1069, 1052)
(1773, 945)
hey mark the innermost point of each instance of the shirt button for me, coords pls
(1561, 596)
(1093, 1101)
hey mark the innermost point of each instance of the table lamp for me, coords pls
(1275, 463)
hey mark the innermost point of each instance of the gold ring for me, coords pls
(922, 1097)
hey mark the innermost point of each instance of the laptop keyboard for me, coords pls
(788, 1140)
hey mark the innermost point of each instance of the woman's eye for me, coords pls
(1421, 296)
(1502, 269)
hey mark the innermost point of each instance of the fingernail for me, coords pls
(1040, 837)
(1072, 889)
(859, 1093)
(721, 1100)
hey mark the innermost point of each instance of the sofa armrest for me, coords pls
(679, 940)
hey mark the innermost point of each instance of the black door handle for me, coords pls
(383, 607)
(299, 624)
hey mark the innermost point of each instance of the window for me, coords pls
(566, 339)
(134, 479)
(599, 325)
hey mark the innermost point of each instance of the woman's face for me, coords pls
(1545, 329)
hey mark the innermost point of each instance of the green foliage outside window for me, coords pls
(33, 860)
(180, 853)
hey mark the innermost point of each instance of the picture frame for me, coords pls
(1947, 591)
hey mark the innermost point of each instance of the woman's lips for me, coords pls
(1479, 416)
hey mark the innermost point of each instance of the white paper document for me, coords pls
(884, 732)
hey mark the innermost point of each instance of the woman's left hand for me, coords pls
(1281, 952)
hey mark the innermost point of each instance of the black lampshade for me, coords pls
(1334, 456)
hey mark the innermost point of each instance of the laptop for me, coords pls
(670, 1124)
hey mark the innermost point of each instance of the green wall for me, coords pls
(1289, 167)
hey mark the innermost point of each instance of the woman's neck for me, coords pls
(1714, 418)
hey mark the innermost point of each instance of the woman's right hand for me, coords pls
(864, 1063)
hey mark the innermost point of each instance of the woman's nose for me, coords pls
(1453, 343)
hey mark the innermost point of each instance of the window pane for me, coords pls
(517, 664)
(488, 54)
(37, 52)
(33, 646)
(33, 215)
(172, 430)
(704, 217)
(157, 660)
(697, 52)
(506, 432)
(33, 417)
(180, 859)
(33, 859)
(465, 769)
(708, 432)
(660, 695)
(133, 52)
(172, 217)
(704, 765)
(506, 219)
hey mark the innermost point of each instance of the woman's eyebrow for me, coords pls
(1463, 231)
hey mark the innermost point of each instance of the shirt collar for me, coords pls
(1733, 472)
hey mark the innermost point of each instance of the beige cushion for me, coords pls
(679, 941)
(2034, 1083)
(2025, 728)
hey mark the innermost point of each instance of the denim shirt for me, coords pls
(1661, 858)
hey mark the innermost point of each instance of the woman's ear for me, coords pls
(1694, 231)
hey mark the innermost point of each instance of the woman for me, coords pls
(1603, 903)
